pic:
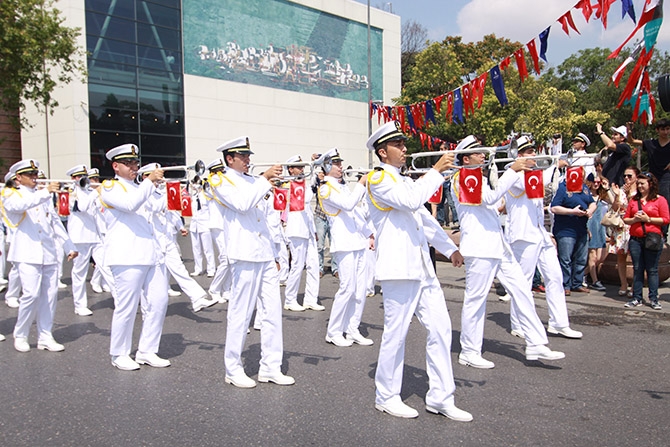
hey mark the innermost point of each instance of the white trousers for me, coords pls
(131, 282)
(80, 266)
(402, 299)
(38, 299)
(349, 300)
(176, 267)
(3, 254)
(303, 256)
(479, 273)
(283, 263)
(222, 279)
(14, 282)
(370, 262)
(202, 244)
(252, 280)
(545, 258)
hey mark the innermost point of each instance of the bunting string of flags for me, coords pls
(461, 103)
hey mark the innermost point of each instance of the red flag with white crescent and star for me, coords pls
(437, 197)
(63, 203)
(297, 198)
(186, 209)
(574, 179)
(470, 186)
(279, 201)
(534, 184)
(173, 196)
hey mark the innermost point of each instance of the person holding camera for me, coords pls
(647, 212)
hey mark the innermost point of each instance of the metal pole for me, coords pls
(369, 88)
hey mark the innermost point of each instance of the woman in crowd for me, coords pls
(599, 187)
(619, 236)
(647, 212)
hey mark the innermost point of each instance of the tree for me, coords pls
(414, 39)
(37, 53)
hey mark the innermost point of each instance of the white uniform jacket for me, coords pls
(37, 229)
(300, 224)
(348, 229)
(525, 217)
(130, 238)
(200, 220)
(481, 232)
(404, 226)
(215, 207)
(248, 237)
(81, 224)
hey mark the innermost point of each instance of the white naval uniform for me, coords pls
(97, 277)
(404, 229)
(33, 250)
(487, 255)
(201, 237)
(164, 223)
(300, 231)
(132, 254)
(83, 231)
(221, 282)
(349, 243)
(252, 255)
(532, 246)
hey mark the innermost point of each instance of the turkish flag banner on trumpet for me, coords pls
(280, 196)
(297, 198)
(574, 179)
(63, 203)
(534, 182)
(173, 195)
(186, 210)
(437, 197)
(470, 186)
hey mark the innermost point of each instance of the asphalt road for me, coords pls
(612, 389)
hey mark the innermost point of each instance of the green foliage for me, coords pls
(37, 53)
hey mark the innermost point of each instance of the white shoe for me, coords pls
(50, 345)
(151, 359)
(62, 285)
(4, 281)
(359, 339)
(315, 306)
(295, 307)
(83, 312)
(96, 288)
(196, 273)
(210, 275)
(340, 341)
(106, 288)
(505, 298)
(370, 294)
(452, 412)
(202, 303)
(398, 409)
(564, 331)
(2, 337)
(475, 360)
(278, 378)
(3, 287)
(542, 352)
(124, 363)
(12, 302)
(225, 297)
(21, 344)
(173, 293)
(241, 381)
(517, 333)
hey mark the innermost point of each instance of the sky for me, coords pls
(520, 20)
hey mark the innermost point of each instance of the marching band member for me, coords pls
(60, 254)
(219, 288)
(162, 220)
(487, 255)
(252, 258)
(532, 246)
(404, 229)
(349, 245)
(83, 231)
(301, 234)
(98, 281)
(138, 271)
(201, 237)
(13, 282)
(30, 211)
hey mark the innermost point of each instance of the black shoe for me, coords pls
(598, 286)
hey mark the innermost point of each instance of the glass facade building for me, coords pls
(135, 79)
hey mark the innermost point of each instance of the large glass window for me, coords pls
(135, 84)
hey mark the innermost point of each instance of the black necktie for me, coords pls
(197, 200)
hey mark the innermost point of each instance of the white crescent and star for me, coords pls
(466, 182)
(576, 175)
(173, 191)
(537, 181)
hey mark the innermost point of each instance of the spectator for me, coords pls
(618, 238)
(599, 188)
(619, 153)
(646, 213)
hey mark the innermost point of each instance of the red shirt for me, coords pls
(653, 208)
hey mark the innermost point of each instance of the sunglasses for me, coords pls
(628, 175)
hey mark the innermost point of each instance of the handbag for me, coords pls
(612, 219)
(652, 241)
